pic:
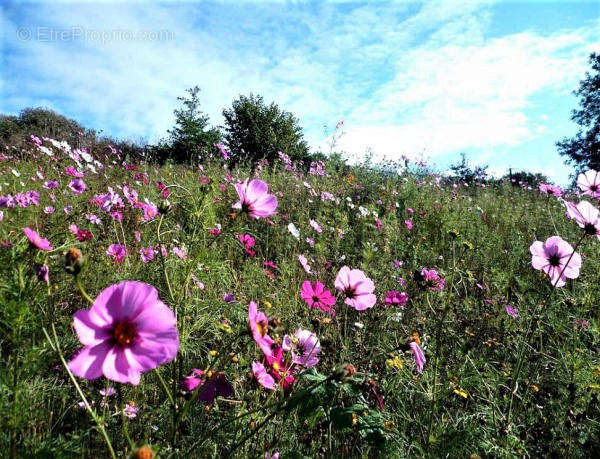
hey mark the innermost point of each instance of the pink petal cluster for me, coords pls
(394, 298)
(254, 198)
(316, 296)
(118, 252)
(586, 216)
(277, 368)
(357, 288)
(35, 239)
(126, 332)
(589, 183)
(432, 279)
(556, 258)
(418, 355)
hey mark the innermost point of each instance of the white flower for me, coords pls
(15, 173)
(295, 231)
(304, 262)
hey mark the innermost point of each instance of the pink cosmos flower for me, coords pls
(394, 298)
(512, 311)
(555, 191)
(70, 170)
(222, 149)
(77, 186)
(126, 332)
(432, 279)
(130, 411)
(357, 287)
(417, 353)
(248, 242)
(35, 239)
(51, 184)
(261, 375)
(408, 223)
(305, 347)
(586, 216)
(255, 198)
(117, 252)
(147, 254)
(213, 385)
(316, 296)
(304, 262)
(316, 226)
(589, 183)
(552, 257)
(259, 326)
(180, 252)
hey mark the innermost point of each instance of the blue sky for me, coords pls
(492, 79)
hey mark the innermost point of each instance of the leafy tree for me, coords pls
(533, 179)
(255, 130)
(465, 173)
(583, 150)
(191, 136)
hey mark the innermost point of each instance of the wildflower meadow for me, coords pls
(291, 310)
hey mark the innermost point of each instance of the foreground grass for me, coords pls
(493, 385)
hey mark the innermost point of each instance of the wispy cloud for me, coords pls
(406, 77)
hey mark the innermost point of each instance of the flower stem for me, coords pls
(165, 388)
(55, 346)
(82, 291)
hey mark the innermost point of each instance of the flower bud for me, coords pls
(74, 261)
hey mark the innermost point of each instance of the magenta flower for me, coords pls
(552, 257)
(126, 332)
(213, 385)
(35, 239)
(147, 254)
(408, 223)
(555, 191)
(305, 347)
(259, 326)
(316, 296)
(357, 288)
(512, 311)
(255, 199)
(261, 375)
(586, 216)
(589, 183)
(394, 298)
(117, 251)
(43, 273)
(222, 149)
(70, 170)
(77, 186)
(432, 279)
(417, 353)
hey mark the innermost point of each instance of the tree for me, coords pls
(191, 136)
(533, 179)
(463, 172)
(255, 130)
(583, 150)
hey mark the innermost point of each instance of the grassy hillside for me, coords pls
(493, 383)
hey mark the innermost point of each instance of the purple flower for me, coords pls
(512, 311)
(43, 273)
(212, 385)
(77, 186)
(126, 332)
(305, 347)
(228, 298)
(117, 252)
(35, 239)
(147, 254)
(417, 353)
(432, 279)
(394, 298)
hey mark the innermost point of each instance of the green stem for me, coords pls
(55, 346)
(82, 291)
(165, 388)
